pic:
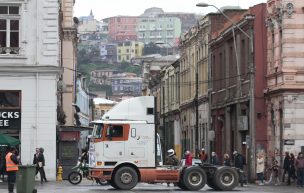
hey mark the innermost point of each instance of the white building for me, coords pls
(29, 69)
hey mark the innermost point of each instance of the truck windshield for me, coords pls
(97, 132)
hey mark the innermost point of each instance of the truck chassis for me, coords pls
(126, 176)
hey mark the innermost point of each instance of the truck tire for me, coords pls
(111, 182)
(226, 179)
(211, 184)
(194, 178)
(125, 178)
(181, 185)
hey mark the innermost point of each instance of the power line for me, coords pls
(202, 81)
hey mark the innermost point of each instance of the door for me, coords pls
(114, 143)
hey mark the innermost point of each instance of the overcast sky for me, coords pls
(108, 8)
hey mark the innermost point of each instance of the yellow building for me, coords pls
(126, 51)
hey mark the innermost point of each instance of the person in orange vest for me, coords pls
(11, 168)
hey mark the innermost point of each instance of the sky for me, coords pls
(108, 8)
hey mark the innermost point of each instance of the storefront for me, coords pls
(10, 112)
(28, 113)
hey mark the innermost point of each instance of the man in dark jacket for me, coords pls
(286, 167)
(239, 162)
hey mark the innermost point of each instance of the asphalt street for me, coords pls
(89, 187)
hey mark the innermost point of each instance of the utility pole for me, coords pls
(252, 131)
(196, 112)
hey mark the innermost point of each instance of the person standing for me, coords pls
(286, 167)
(300, 169)
(203, 156)
(260, 168)
(41, 164)
(239, 162)
(214, 159)
(35, 160)
(274, 176)
(292, 170)
(188, 158)
(12, 162)
(227, 160)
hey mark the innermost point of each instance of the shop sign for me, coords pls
(10, 119)
(289, 142)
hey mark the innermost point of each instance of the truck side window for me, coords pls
(117, 131)
(99, 129)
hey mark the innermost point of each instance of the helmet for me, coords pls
(170, 152)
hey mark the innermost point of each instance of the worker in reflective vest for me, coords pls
(11, 168)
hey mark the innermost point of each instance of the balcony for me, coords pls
(9, 50)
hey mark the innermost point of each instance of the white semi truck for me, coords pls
(125, 149)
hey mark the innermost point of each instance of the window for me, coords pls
(115, 130)
(9, 29)
(10, 99)
(128, 50)
(128, 58)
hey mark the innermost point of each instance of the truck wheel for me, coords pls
(125, 178)
(194, 178)
(181, 185)
(111, 182)
(210, 183)
(226, 178)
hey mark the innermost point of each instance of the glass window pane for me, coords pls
(14, 25)
(13, 10)
(14, 41)
(3, 10)
(2, 24)
(10, 99)
(2, 39)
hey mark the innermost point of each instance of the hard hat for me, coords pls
(235, 152)
(170, 152)
(187, 152)
(203, 149)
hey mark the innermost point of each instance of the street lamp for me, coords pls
(251, 71)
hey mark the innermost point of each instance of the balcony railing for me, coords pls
(9, 50)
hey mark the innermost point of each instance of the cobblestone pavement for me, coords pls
(89, 187)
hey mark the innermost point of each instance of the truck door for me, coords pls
(114, 145)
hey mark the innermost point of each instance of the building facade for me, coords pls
(193, 89)
(102, 106)
(285, 91)
(29, 70)
(122, 28)
(102, 77)
(126, 84)
(170, 130)
(88, 24)
(159, 29)
(238, 81)
(129, 50)
(68, 62)
(108, 52)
